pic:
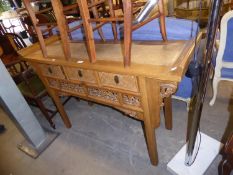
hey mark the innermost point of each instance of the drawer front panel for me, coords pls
(80, 74)
(52, 71)
(125, 82)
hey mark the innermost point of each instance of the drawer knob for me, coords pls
(80, 74)
(50, 70)
(116, 79)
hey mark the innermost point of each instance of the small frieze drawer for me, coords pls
(80, 74)
(52, 71)
(125, 82)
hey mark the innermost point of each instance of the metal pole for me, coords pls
(145, 12)
(199, 95)
(37, 139)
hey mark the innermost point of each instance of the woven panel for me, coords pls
(52, 71)
(80, 74)
(125, 82)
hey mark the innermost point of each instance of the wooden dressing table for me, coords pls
(138, 90)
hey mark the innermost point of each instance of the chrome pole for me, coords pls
(199, 95)
(145, 12)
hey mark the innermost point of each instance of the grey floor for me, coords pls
(102, 141)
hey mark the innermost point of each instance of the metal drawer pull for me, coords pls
(80, 74)
(116, 79)
(50, 70)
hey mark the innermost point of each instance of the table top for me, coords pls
(157, 59)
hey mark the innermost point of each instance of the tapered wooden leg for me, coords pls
(150, 90)
(151, 143)
(54, 95)
(60, 108)
(168, 112)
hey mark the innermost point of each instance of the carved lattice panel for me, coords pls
(72, 87)
(103, 94)
(131, 100)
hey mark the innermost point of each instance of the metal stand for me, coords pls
(209, 149)
(36, 138)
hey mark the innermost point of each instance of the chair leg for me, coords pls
(45, 112)
(112, 14)
(162, 21)
(215, 91)
(96, 15)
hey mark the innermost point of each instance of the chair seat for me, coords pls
(227, 73)
(35, 84)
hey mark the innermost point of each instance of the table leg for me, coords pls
(60, 108)
(150, 92)
(54, 96)
(151, 143)
(168, 112)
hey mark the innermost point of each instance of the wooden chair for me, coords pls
(4, 29)
(84, 7)
(45, 21)
(27, 81)
(33, 91)
(16, 41)
(191, 10)
(224, 60)
(128, 26)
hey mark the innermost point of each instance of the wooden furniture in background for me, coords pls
(27, 81)
(98, 74)
(190, 9)
(224, 60)
(226, 165)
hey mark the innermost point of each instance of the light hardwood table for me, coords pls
(138, 91)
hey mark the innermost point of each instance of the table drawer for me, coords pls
(80, 74)
(52, 71)
(119, 81)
